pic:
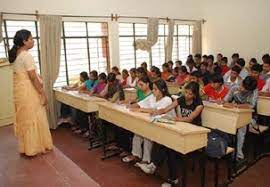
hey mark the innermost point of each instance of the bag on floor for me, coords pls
(217, 144)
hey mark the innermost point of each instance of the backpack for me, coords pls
(217, 144)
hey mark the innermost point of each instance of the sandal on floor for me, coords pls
(124, 154)
(86, 134)
(129, 159)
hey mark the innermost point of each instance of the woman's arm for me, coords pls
(165, 110)
(192, 116)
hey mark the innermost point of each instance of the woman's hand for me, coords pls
(44, 99)
(178, 118)
(156, 112)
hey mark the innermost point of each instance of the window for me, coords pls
(128, 34)
(9, 30)
(182, 42)
(84, 48)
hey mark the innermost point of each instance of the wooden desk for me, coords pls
(130, 93)
(181, 137)
(77, 100)
(173, 88)
(228, 120)
(263, 106)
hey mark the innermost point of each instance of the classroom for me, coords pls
(115, 93)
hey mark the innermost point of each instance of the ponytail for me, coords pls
(12, 54)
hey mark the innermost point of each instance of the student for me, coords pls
(252, 62)
(182, 77)
(219, 58)
(178, 63)
(79, 85)
(224, 67)
(144, 66)
(102, 81)
(145, 85)
(210, 61)
(198, 60)
(132, 79)
(204, 58)
(216, 69)
(175, 74)
(170, 63)
(90, 83)
(166, 74)
(125, 76)
(240, 63)
(155, 74)
(206, 76)
(256, 69)
(266, 68)
(140, 72)
(191, 107)
(195, 76)
(191, 65)
(235, 58)
(243, 96)
(216, 90)
(233, 78)
(266, 89)
(116, 71)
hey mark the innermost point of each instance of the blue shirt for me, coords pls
(90, 84)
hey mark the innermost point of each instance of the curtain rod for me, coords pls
(113, 16)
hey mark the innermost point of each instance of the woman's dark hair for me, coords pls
(170, 62)
(19, 38)
(211, 57)
(156, 70)
(176, 69)
(190, 61)
(235, 55)
(133, 70)
(141, 70)
(249, 83)
(241, 62)
(198, 55)
(125, 71)
(254, 60)
(184, 69)
(95, 74)
(179, 62)
(84, 75)
(224, 59)
(237, 69)
(115, 68)
(197, 74)
(165, 65)
(217, 78)
(162, 87)
(102, 76)
(111, 77)
(195, 89)
(145, 79)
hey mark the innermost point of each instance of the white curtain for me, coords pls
(152, 35)
(1, 22)
(197, 38)
(169, 41)
(50, 40)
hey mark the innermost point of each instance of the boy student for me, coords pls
(243, 96)
(256, 69)
(233, 78)
(191, 65)
(224, 67)
(240, 63)
(235, 58)
(216, 90)
(219, 58)
(210, 61)
(206, 76)
(198, 60)
(252, 62)
(266, 67)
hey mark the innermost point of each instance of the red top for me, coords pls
(181, 79)
(165, 75)
(213, 94)
(224, 69)
(260, 84)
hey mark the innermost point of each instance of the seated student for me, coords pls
(78, 86)
(166, 74)
(175, 74)
(216, 69)
(195, 76)
(204, 58)
(240, 63)
(116, 71)
(191, 107)
(102, 81)
(132, 79)
(90, 83)
(219, 59)
(266, 67)
(191, 65)
(155, 74)
(234, 78)
(145, 85)
(197, 60)
(216, 90)
(224, 66)
(252, 62)
(178, 63)
(144, 66)
(125, 76)
(206, 76)
(266, 89)
(243, 96)
(210, 61)
(235, 58)
(182, 77)
(170, 63)
(255, 72)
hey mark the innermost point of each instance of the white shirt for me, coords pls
(243, 74)
(266, 87)
(130, 83)
(150, 102)
(193, 69)
(229, 83)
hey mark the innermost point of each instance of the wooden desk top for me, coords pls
(220, 107)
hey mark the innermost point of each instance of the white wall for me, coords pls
(237, 26)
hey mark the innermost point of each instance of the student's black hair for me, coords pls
(204, 64)
(198, 55)
(219, 54)
(115, 68)
(217, 78)
(162, 87)
(190, 61)
(241, 62)
(211, 57)
(257, 68)
(217, 69)
(170, 62)
(235, 55)
(224, 59)
(19, 38)
(236, 69)
(195, 89)
(102, 76)
(84, 75)
(184, 69)
(111, 77)
(250, 83)
(133, 70)
(178, 62)
(145, 79)
(144, 64)
(166, 65)
(190, 57)
(176, 69)
(95, 74)
(197, 74)
(254, 60)
(156, 70)
(266, 59)
(141, 70)
(204, 56)
(266, 56)
(125, 71)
